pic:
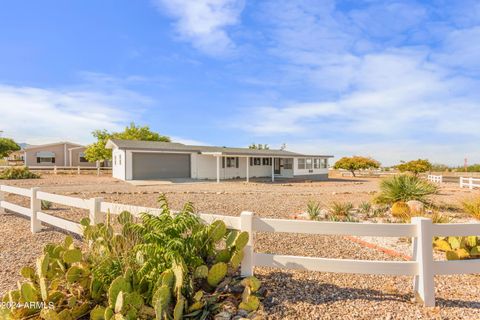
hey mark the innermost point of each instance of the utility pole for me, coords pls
(465, 164)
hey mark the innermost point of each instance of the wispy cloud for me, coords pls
(42, 115)
(388, 80)
(204, 22)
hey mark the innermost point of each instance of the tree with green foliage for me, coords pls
(7, 146)
(356, 163)
(97, 151)
(415, 166)
(259, 146)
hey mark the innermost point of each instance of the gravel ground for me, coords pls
(290, 294)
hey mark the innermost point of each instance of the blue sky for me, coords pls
(395, 80)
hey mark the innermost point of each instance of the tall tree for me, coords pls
(97, 150)
(415, 166)
(7, 146)
(356, 163)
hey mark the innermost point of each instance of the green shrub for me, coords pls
(313, 210)
(340, 208)
(404, 188)
(365, 207)
(472, 207)
(46, 205)
(168, 266)
(18, 173)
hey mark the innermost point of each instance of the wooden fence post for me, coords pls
(35, 206)
(95, 214)
(54, 169)
(246, 224)
(470, 183)
(78, 170)
(424, 283)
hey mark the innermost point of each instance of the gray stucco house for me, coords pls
(149, 160)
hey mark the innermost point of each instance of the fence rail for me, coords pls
(434, 178)
(422, 230)
(469, 182)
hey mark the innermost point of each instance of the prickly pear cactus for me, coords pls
(236, 259)
(216, 273)
(217, 230)
(252, 282)
(201, 272)
(241, 240)
(223, 256)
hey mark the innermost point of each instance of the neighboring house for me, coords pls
(143, 160)
(60, 154)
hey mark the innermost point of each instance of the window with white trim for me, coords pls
(301, 163)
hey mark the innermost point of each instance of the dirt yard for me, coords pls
(290, 295)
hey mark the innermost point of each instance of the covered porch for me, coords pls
(248, 166)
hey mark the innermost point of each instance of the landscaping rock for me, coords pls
(416, 207)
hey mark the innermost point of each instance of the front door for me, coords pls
(277, 165)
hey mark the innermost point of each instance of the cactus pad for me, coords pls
(236, 259)
(216, 273)
(201, 272)
(250, 304)
(223, 256)
(252, 282)
(217, 230)
(442, 245)
(72, 255)
(117, 285)
(241, 240)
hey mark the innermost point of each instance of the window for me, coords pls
(267, 161)
(45, 160)
(288, 164)
(255, 161)
(119, 159)
(301, 163)
(316, 163)
(114, 160)
(324, 163)
(231, 162)
(83, 159)
(308, 163)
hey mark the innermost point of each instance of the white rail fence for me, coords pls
(469, 182)
(436, 179)
(422, 267)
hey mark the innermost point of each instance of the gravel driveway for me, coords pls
(290, 294)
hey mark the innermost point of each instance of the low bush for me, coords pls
(404, 188)
(340, 208)
(46, 205)
(365, 207)
(472, 207)
(313, 210)
(18, 173)
(156, 267)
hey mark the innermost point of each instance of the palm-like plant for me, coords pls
(405, 188)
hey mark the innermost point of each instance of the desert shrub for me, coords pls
(18, 173)
(313, 210)
(46, 205)
(365, 207)
(340, 208)
(404, 188)
(156, 267)
(472, 207)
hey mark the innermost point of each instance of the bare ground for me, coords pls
(290, 294)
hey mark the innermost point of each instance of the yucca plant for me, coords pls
(340, 208)
(365, 207)
(472, 207)
(404, 188)
(313, 210)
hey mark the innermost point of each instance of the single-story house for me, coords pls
(60, 154)
(146, 160)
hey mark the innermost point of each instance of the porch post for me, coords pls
(248, 168)
(218, 169)
(273, 169)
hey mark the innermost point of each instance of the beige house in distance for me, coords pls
(60, 154)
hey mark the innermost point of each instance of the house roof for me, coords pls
(174, 146)
(30, 147)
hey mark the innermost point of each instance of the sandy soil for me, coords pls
(301, 295)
